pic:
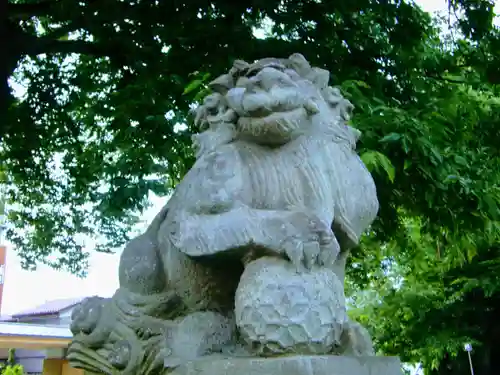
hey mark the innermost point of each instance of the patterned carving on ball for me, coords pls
(281, 310)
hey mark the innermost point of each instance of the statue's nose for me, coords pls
(235, 99)
(252, 84)
(262, 80)
(269, 77)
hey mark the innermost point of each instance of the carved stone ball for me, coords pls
(282, 310)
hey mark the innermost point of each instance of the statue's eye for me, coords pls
(279, 68)
(252, 73)
(213, 111)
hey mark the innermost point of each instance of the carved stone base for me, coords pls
(293, 365)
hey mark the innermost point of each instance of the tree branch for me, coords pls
(62, 31)
(28, 10)
(49, 45)
(444, 79)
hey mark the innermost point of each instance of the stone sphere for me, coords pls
(281, 310)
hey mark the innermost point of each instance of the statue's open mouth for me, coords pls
(266, 116)
(260, 112)
(263, 104)
(270, 117)
(263, 112)
(275, 128)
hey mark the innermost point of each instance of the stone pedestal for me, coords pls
(293, 365)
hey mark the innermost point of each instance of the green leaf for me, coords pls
(451, 178)
(201, 94)
(193, 85)
(492, 206)
(376, 160)
(471, 253)
(391, 137)
(460, 160)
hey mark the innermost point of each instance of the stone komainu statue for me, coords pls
(247, 258)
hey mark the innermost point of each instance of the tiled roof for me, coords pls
(49, 307)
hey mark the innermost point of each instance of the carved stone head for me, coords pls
(273, 101)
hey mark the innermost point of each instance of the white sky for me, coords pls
(25, 289)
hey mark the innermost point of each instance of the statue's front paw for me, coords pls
(302, 254)
(309, 241)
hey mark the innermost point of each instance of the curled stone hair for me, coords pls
(296, 62)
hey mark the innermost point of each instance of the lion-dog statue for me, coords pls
(248, 256)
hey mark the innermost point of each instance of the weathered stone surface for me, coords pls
(248, 256)
(280, 310)
(295, 365)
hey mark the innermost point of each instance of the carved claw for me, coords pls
(311, 243)
(294, 251)
(329, 253)
(356, 341)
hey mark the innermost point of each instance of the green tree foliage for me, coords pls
(12, 370)
(433, 286)
(90, 138)
(10, 367)
(107, 82)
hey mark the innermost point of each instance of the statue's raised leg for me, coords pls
(297, 235)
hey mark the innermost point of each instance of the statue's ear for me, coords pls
(299, 63)
(200, 118)
(346, 109)
(222, 84)
(319, 77)
(240, 65)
